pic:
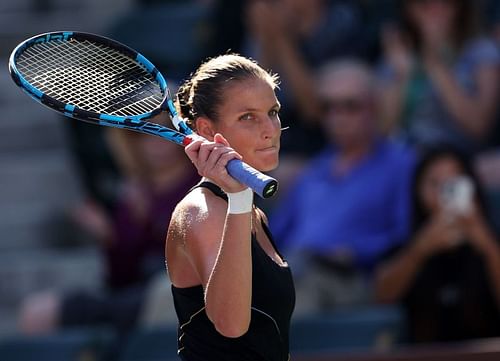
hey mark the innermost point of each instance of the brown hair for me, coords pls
(203, 92)
(466, 23)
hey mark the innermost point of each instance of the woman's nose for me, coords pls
(271, 127)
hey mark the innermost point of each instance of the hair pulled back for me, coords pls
(203, 93)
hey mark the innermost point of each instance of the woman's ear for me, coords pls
(205, 128)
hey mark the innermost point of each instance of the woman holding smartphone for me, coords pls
(448, 275)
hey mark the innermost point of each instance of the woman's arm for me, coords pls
(483, 239)
(492, 257)
(391, 100)
(393, 279)
(300, 78)
(493, 266)
(278, 47)
(398, 58)
(475, 114)
(218, 242)
(228, 293)
(218, 246)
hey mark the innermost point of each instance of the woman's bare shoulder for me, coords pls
(193, 236)
(197, 210)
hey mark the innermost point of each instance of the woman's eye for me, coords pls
(274, 113)
(247, 116)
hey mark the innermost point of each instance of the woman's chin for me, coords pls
(268, 165)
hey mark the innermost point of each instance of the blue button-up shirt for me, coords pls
(365, 211)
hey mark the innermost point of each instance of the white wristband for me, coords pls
(240, 202)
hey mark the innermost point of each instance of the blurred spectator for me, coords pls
(448, 274)
(488, 162)
(293, 37)
(375, 15)
(491, 16)
(93, 160)
(440, 76)
(175, 35)
(156, 175)
(351, 202)
(229, 28)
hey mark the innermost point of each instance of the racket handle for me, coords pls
(260, 183)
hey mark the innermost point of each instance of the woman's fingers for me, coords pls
(205, 152)
(211, 158)
(199, 151)
(224, 159)
(213, 161)
(218, 160)
(192, 149)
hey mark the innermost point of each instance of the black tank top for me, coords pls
(273, 300)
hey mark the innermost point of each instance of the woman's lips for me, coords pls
(270, 149)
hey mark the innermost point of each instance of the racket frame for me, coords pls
(262, 184)
(136, 122)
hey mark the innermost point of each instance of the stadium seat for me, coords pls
(348, 330)
(68, 345)
(151, 344)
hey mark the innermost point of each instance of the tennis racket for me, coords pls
(98, 80)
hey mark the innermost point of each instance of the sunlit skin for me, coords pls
(250, 122)
(438, 173)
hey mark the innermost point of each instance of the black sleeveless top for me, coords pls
(273, 300)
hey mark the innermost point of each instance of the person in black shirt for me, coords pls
(448, 275)
(233, 291)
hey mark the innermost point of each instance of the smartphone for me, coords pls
(456, 195)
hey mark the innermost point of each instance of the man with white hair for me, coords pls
(351, 203)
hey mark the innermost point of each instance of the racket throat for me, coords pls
(188, 139)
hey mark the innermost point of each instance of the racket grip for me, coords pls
(260, 183)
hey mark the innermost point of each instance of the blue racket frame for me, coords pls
(260, 183)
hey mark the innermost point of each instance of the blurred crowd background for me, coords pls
(389, 204)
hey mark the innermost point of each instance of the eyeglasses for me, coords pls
(349, 106)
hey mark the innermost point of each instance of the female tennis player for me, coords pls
(232, 289)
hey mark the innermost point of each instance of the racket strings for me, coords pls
(91, 76)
